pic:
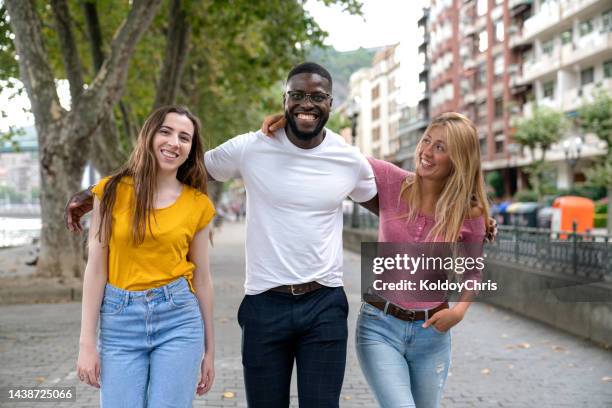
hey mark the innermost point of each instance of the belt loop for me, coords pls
(126, 298)
(386, 307)
(427, 315)
(166, 293)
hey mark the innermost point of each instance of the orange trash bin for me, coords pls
(568, 209)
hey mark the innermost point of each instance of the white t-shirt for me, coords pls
(294, 204)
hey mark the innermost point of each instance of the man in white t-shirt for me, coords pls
(295, 307)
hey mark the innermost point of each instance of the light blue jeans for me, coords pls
(404, 364)
(151, 345)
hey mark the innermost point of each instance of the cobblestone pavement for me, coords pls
(499, 359)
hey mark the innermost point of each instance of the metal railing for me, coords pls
(583, 255)
(567, 252)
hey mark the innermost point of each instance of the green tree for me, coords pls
(596, 118)
(223, 59)
(538, 133)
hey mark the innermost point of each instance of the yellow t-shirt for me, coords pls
(162, 257)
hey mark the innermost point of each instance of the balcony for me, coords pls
(519, 6)
(587, 47)
(469, 63)
(544, 102)
(481, 94)
(545, 64)
(574, 98)
(570, 8)
(469, 98)
(541, 21)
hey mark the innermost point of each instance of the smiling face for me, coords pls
(307, 117)
(172, 142)
(434, 161)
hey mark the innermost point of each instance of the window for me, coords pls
(499, 31)
(498, 65)
(566, 37)
(586, 76)
(499, 107)
(482, 75)
(481, 7)
(499, 146)
(376, 134)
(481, 112)
(483, 145)
(606, 21)
(548, 89)
(547, 47)
(483, 41)
(375, 92)
(607, 69)
(376, 113)
(586, 27)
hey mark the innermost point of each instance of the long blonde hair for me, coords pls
(142, 167)
(463, 189)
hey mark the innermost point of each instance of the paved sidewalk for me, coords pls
(499, 359)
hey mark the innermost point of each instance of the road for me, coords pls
(500, 359)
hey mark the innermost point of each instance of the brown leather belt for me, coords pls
(396, 311)
(298, 289)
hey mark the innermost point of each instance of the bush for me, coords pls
(600, 221)
(495, 180)
(594, 193)
(601, 208)
(525, 196)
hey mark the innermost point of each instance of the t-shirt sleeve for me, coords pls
(223, 162)
(207, 211)
(365, 187)
(98, 189)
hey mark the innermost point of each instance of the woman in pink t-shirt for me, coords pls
(404, 343)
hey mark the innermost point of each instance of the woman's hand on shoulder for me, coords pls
(272, 123)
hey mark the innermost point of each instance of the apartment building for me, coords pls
(562, 52)
(359, 105)
(379, 94)
(494, 59)
(414, 120)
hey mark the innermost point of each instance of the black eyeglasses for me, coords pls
(317, 97)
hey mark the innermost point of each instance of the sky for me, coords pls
(384, 22)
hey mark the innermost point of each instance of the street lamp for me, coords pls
(352, 111)
(572, 148)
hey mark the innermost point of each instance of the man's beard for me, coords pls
(305, 135)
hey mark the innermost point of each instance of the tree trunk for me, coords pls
(106, 154)
(61, 252)
(609, 210)
(64, 137)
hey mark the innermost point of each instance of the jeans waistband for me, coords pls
(159, 293)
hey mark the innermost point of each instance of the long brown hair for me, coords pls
(463, 189)
(142, 167)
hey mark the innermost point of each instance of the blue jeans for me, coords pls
(404, 364)
(151, 345)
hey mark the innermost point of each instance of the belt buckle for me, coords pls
(294, 293)
(411, 314)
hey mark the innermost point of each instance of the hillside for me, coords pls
(341, 65)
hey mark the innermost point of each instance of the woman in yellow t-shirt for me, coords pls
(147, 278)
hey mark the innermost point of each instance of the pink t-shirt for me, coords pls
(395, 227)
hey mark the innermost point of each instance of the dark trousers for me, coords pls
(278, 328)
